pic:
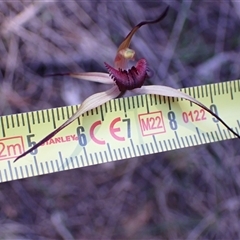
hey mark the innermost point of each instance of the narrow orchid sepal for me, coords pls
(120, 59)
(172, 92)
(91, 102)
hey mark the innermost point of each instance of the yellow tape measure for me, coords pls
(120, 129)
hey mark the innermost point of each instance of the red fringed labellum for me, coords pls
(129, 79)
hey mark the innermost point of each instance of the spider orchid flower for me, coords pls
(123, 80)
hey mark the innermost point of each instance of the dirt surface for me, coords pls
(193, 193)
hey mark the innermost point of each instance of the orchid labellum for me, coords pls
(123, 79)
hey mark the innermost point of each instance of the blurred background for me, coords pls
(193, 193)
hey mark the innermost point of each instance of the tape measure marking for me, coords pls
(121, 128)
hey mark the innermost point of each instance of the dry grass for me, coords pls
(193, 193)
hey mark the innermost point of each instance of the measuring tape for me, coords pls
(119, 129)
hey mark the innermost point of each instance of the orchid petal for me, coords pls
(172, 92)
(91, 102)
(90, 76)
(94, 76)
(121, 58)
